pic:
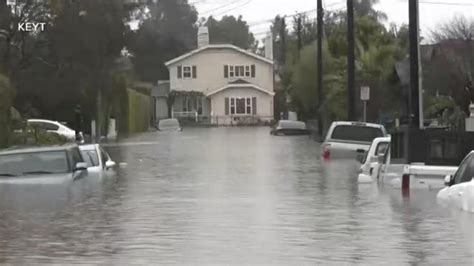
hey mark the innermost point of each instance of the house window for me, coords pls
(240, 106)
(187, 72)
(240, 71)
(232, 106)
(247, 71)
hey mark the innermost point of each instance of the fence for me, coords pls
(230, 120)
(139, 112)
(431, 146)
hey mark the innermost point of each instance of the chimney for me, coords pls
(203, 36)
(269, 47)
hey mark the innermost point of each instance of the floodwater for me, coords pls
(228, 196)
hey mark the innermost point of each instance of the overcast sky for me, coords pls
(432, 12)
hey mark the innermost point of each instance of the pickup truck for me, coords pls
(350, 140)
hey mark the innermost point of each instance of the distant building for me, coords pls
(221, 84)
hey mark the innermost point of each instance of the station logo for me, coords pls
(31, 26)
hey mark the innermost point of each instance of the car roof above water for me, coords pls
(362, 124)
(289, 124)
(20, 150)
(172, 122)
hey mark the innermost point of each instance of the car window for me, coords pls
(464, 171)
(76, 156)
(91, 158)
(45, 126)
(469, 172)
(356, 133)
(17, 164)
(381, 148)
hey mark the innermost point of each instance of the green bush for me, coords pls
(35, 136)
(139, 112)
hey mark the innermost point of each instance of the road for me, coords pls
(229, 196)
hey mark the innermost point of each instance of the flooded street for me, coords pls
(228, 196)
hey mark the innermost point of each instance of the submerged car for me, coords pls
(57, 164)
(171, 124)
(350, 140)
(373, 160)
(57, 128)
(97, 159)
(287, 127)
(459, 193)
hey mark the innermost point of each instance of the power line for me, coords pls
(234, 8)
(442, 3)
(232, 2)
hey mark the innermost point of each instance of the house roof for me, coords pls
(240, 85)
(218, 46)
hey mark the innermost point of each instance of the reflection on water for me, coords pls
(228, 196)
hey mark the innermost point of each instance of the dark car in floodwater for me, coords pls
(287, 127)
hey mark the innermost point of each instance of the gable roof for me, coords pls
(218, 46)
(240, 85)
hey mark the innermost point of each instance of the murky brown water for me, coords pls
(228, 196)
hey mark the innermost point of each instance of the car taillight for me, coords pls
(326, 152)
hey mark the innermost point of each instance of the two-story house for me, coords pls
(222, 84)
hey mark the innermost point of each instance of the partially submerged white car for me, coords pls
(57, 128)
(373, 160)
(459, 193)
(97, 159)
(350, 140)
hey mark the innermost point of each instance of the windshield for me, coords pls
(34, 162)
(356, 133)
(90, 157)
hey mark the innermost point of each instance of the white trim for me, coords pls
(246, 85)
(218, 46)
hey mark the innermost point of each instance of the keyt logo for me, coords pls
(31, 26)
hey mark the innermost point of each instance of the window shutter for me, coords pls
(226, 106)
(254, 105)
(180, 72)
(253, 71)
(194, 72)
(226, 71)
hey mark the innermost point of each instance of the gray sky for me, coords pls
(432, 12)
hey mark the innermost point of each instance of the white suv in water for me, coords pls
(350, 139)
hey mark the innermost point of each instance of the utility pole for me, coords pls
(320, 67)
(97, 122)
(350, 62)
(283, 60)
(414, 95)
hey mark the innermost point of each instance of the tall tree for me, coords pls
(6, 101)
(449, 68)
(231, 30)
(166, 30)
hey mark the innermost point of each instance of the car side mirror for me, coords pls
(80, 167)
(447, 180)
(110, 164)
